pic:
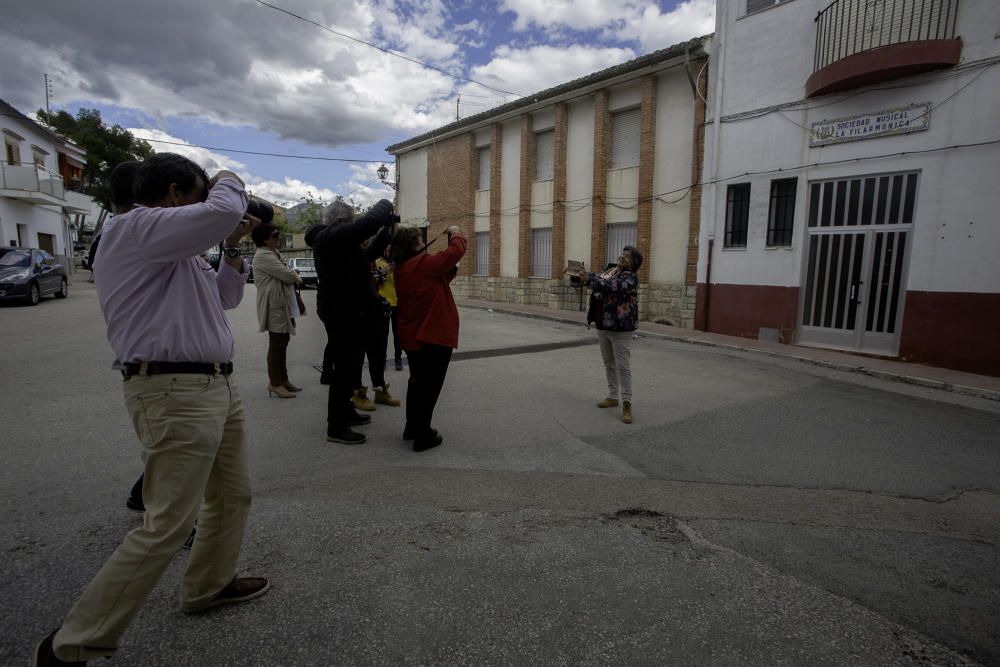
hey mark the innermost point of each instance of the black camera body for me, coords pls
(261, 210)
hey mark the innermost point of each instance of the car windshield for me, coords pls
(14, 257)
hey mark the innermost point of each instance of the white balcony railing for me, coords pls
(31, 178)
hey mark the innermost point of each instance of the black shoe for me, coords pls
(135, 504)
(429, 442)
(408, 435)
(44, 656)
(240, 589)
(347, 437)
(358, 419)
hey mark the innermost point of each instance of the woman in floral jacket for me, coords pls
(614, 311)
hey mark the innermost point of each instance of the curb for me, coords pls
(964, 390)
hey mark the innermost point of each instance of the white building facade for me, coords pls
(851, 161)
(37, 209)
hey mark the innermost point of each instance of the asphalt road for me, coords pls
(758, 511)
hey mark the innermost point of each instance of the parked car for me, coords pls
(306, 266)
(28, 274)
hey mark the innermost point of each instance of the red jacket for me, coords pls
(426, 309)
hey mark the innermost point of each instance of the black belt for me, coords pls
(175, 367)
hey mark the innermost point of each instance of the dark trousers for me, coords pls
(428, 368)
(396, 348)
(345, 347)
(277, 355)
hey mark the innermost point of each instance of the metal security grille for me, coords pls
(541, 252)
(620, 234)
(484, 169)
(872, 200)
(737, 215)
(482, 253)
(625, 139)
(781, 214)
(545, 156)
(856, 264)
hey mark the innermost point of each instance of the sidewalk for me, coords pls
(969, 384)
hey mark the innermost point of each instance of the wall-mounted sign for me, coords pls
(903, 120)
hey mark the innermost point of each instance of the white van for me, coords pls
(306, 266)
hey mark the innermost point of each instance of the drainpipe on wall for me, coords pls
(718, 57)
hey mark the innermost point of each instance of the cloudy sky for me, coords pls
(243, 74)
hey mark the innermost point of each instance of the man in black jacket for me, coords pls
(345, 298)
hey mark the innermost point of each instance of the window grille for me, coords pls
(482, 253)
(781, 213)
(620, 234)
(737, 215)
(484, 168)
(541, 252)
(625, 138)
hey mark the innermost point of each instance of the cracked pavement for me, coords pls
(759, 510)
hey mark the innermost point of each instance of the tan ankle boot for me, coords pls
(608, 403)
(627, 412)
(360, 400)
(383, 396)
(279, 391)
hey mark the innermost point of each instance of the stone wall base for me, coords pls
(663, 303)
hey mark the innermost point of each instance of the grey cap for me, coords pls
(338, 211)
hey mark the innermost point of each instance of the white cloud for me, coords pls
(641, 21)
(285, 192)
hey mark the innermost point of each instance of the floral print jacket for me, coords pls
(614, 302)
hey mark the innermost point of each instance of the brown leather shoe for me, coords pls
(240, 589)
(290, 387)
(46, 657)
(608, 403)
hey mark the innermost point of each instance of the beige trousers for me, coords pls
(616, 350)
(191, 430)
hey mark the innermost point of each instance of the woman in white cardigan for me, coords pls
(277, 306)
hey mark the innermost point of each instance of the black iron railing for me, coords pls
(847, 27)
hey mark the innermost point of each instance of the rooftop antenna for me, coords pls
(48, 94)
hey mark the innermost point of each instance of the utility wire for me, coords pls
(282, 155)
(387, 51)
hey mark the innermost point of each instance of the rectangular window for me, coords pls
(484, 168)
(545, 156)
(541, 252)
(737, 215)
(781, 214)
(620, 234)
(625, 138)
(482, 253)
(754, 6)
(12, 152)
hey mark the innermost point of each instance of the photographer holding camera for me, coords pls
(346, 297)
(427, 325)
(164, 307)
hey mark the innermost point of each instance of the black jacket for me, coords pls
(344, 267)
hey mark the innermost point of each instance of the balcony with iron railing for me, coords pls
(31, 183)
(862, 42)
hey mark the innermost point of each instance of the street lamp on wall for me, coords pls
(383, 173)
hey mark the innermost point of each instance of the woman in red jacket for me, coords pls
(427, 321)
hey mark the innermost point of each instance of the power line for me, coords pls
(283, 155)
(387, 51)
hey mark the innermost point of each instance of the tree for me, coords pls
(106, 147)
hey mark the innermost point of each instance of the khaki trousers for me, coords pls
(616, 350)
(191, 430)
